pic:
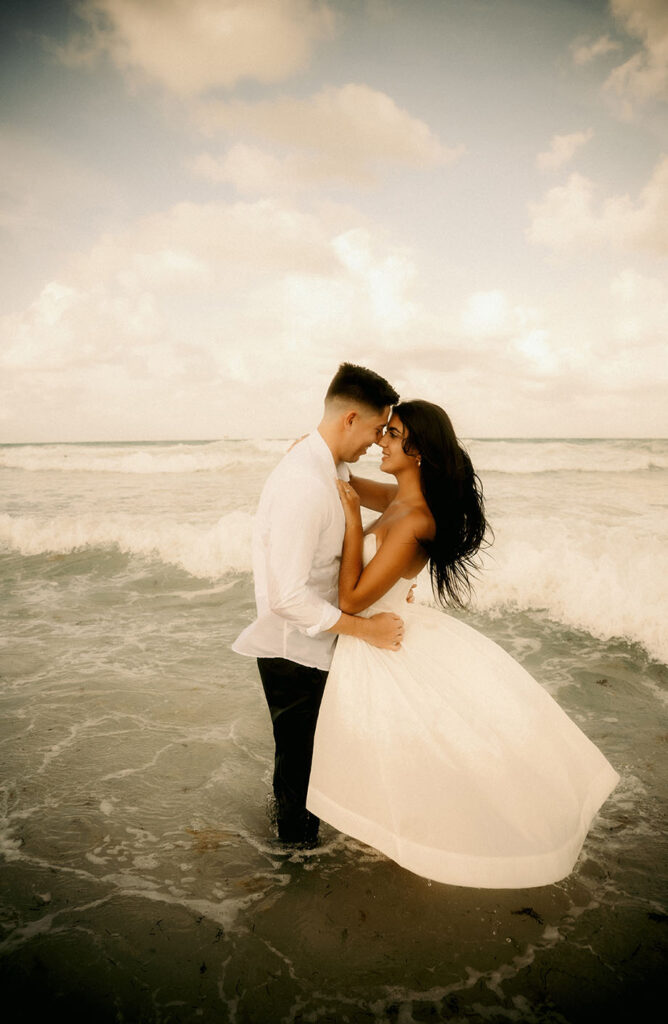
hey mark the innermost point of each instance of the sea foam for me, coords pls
(593, 456)
(610, 582)
(209, 457)
(207, 552)
(511, 456)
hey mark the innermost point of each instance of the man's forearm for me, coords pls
(384, 629)
(351, 625)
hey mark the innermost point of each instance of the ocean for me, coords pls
(140, 878)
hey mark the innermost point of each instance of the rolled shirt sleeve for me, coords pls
(296, 518)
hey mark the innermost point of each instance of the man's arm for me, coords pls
(385, 629)
(291, 544)
(295, 518)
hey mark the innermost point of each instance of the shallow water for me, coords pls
(140, 879)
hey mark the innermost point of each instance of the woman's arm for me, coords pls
(397, 556)
(353, 540)
(372, 493)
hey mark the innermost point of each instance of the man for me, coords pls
(297, 542)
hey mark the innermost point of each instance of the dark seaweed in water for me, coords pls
(530, 912)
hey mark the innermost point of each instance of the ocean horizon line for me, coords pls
(289, 437)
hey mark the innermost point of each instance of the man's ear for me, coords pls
(349, 418)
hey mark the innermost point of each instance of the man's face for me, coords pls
(364, 430)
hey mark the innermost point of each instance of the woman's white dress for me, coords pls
(450, 758)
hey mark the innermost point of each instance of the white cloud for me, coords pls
(644, 76)
(339, 133)
(48, 341)
(251, 170)
(492, 315)
(568, 216)
(184, 325)
(232, 240)
(487, 315)
(512, 334)
(584, 52)
(640, 312)
(558, 370)
(192, 46)
(382, 279)
(165, 278)
(255, 171)
(535, 349)
(562, 150)
(210, 303)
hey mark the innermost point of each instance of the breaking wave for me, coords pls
(611, 583)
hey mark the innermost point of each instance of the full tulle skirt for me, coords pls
(451, 759)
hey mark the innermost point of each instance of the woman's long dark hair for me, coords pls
(453, 492)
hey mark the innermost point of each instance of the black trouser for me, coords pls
(293, 694)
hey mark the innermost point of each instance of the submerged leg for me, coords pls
(293, 693)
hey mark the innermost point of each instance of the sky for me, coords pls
(207, 205)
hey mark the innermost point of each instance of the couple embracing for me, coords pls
(398, 724)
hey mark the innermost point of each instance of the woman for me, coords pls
(445, 754)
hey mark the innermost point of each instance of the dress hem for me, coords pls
(487, 872)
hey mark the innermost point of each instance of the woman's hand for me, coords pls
(349, 500)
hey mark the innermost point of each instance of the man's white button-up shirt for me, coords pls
(297, 541)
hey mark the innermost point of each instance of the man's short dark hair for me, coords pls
(357, 384)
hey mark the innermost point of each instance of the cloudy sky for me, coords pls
(206, 205)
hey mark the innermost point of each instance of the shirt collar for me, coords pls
(321, 450)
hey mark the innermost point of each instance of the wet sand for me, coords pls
(339, 935)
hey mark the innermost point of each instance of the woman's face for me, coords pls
(394, 458)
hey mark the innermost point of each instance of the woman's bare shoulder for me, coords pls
(423, 523)
(416, 523)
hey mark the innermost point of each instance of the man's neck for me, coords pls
(329, 436)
